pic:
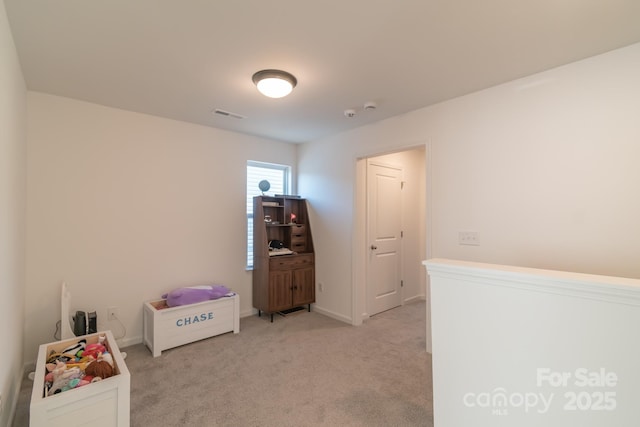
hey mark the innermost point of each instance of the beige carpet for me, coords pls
(302, 370)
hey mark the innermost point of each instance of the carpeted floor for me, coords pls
(302, 370)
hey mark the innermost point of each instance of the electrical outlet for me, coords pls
(320, 286)
(470, 238)
(112, 313)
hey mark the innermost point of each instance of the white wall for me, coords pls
(13, 113)
(513, 346)
(125, 206)
(544, 168)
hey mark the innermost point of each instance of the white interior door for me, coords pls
(384, 221)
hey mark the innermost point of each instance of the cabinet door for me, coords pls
(279, 290)
(304, 290)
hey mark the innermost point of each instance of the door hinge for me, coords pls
(401, 185)
(401, 234)
(402, 283)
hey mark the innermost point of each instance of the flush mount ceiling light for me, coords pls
(274, 83)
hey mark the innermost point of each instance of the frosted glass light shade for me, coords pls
(274, 83)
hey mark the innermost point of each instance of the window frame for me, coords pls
(251, 182)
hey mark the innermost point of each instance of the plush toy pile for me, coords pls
(78, 365)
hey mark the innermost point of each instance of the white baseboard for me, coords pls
(248, 313)
(332, 314)
(129, 341)
(421, 297)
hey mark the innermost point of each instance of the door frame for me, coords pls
(359, 236)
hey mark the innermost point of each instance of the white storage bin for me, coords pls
(100, 404)
(166, 328)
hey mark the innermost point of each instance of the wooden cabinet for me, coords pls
(283, 258)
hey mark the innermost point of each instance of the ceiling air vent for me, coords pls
(224, 113)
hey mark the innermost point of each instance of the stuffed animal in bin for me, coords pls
(99, 369)
(94, 350)
(75, 349)
(195, 294)
(62, 377)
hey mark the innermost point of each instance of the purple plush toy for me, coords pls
(194, 294)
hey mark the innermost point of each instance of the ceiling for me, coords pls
(183, 59)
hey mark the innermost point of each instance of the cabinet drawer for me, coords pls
(298, 246)
(286, 262)
(298, 239)
(298, 229)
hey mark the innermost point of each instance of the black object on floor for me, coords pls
(290, 310)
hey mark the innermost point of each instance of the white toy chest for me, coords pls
(166, 328)
(101, 404)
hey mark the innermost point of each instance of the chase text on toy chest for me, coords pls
(202, 317)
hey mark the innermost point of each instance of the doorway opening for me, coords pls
(415, 230)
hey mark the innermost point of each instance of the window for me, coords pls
(278, 176)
